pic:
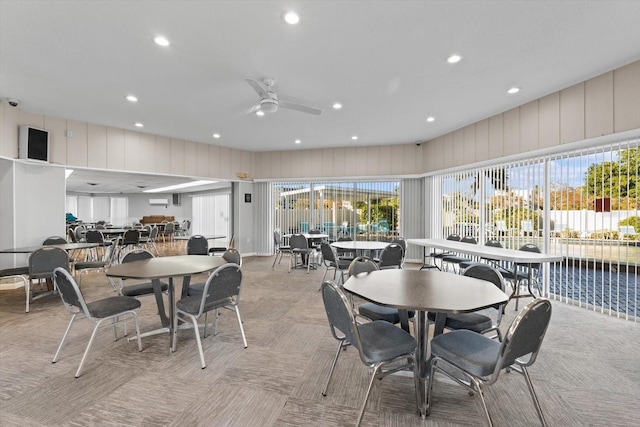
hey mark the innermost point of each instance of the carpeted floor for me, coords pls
(588, 372)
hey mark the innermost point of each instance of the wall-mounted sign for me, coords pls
(247, 197)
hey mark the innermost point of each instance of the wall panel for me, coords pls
(482, 140)
(202, 169)
(57, 139)
(177, 157)
(529, 126)
(115, 148)
(549, 117)
(133, 151)
(626, 96)
(162, 155)
(572, 114)
(511, 142)
(598, 106)
(77, 144)
(97, 146)
(468, 154)
(147, 148)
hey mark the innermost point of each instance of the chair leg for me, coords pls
(64, 337)
(198, 340)
(333, 366)
(376, 368)
(86, 351)
(476, 385)
(27, 293)
(244, 339)
(204, 334)
(276, 259)
(215, 321)
(525, 373)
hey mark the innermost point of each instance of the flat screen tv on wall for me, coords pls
(33, 144)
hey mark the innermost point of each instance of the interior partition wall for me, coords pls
(581, 204)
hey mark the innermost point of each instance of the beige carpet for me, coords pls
(588, 372)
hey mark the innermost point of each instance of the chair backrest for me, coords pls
(232, 256)
(197, 245)
(153, 233)
(94, 236)
(169, 228)
(488, 273)
(70, 292)
(530, 247)
(131, 237)
(455, 237)
(391, 256)
(340, 315)
(101, 226)
(362, 264)
(72, 235)
(79, 231)
(493, 243)
(136, 255)
(298, 241)
(328, 255)
(225, 282)
(54, 240)
(400, 241)
(524, 336)
(469, 239)
(43, 261)
(345, 239)
(277, 238)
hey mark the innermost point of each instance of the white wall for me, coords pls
(243, 212)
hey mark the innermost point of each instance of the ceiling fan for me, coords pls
(269, 102)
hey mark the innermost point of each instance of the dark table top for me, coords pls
(171, 266)
(425, 290)
(65, 246)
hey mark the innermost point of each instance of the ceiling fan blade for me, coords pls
(298, 107)
(253, 109)
(258, 88)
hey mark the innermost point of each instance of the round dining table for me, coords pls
(169, 267)
(425, 291)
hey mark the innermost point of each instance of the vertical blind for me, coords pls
(581, 204)
(211, 214)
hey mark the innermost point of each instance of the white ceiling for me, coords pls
(385, 61)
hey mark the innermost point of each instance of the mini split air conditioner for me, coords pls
(158, 201)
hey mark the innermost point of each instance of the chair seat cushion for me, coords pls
(378, 312)
(468, 351)
(142, 289)
(191, 304)
(455, 259)
(15, 271)
(475, 322)
(112, 305)
(382, 341)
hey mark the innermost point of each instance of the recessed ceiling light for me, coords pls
(513, 90)
(337, 106)
(291, 18)
(454, 59)
(297, 141)
(354, 137)
(430, 119)
(216, 135)
(132, 98)
(138, 125)
(260, 113)
(161, 41)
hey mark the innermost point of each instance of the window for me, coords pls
(211, 214)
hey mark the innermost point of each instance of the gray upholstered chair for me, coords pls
(139, 289)
(479, 359)
(300, 247)
(374, 311)
(345, 253)
(474, 321)
(221, 290)
(279, 247)
(391, 257)
(54, 240)
(525, 274)
(149, 242)
(197, 245)
(130, 241)
(332, 262)
(454, 260)
(96, 236)
(168, 231)
(437, 255)
(378, 343)
(403, 244)
(117, 309)
(232, 256)
(42, 262)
